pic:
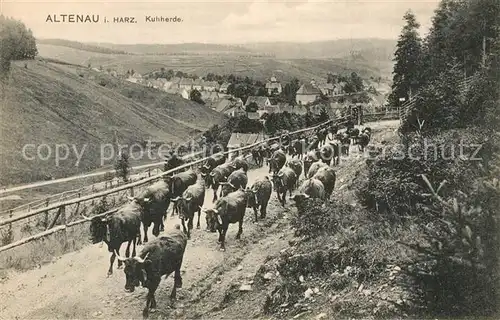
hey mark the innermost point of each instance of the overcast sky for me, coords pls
(223, 21)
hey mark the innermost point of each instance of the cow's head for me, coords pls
(277, 179)
(213, 216)
(227, 188)
(99, 230)
(251, 196)
(136, 271)
(299, 197)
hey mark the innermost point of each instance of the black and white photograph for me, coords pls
(250, 159)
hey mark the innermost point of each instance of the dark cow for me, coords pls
(296, 166)
(311, 157)
(277, 161)
(154, 201)
(310, 188)
(117, 228)
(237, 179)
(353, 135)
(179, 183)
(330, 153)
(363, 140)
(173, 161)
(345, 141)
(314, 168)
(313, 143)
(162, 256)
(298, 147)
(327, 176)
(321, 135)
(367, 130)
(258, 196)
(240, 163)
(227, 210)
(219, 174)
(258, 155)
(190, 202)
(212, 162)
(285, 180)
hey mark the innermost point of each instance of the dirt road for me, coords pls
(76, 286)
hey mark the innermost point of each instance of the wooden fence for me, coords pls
(61, 213)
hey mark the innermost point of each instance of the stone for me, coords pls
(268, 276)
(240, 267)
(246, 287)
(308, 293)
(301, 278)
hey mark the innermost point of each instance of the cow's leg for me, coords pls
(190, 226)
(240, 229)
(156, 228)
(150, 299)
(145, 227)
(215, 193)
(184, 227)
(138, 236)
(199, 216)
(222, 238)
(112, 260)
(127, 251)
(255, 213)
(263, 211)
(135, 241)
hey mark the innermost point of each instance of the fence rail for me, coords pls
(407, 108)
(60, 215)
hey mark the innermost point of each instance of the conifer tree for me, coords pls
(407, 61)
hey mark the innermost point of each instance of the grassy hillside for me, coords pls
(50, 104)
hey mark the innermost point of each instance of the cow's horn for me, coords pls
(232, 185)
(212, 174)
(280, 174)
(138, 259)
(85, 217)
(203, 174)
(206, 166)
(189, 199)
(118, 256)
(147, 199)
(176, 199)
(307, 196)
(215, 210)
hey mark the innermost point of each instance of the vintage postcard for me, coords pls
(267, 159)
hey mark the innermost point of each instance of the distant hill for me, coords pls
(193, 48)
(79, 46)
(379, 49)
(48, 103)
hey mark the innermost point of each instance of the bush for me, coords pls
(394, 187)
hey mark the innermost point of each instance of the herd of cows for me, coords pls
(314, 156)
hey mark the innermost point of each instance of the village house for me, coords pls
(227, 103)
(273, 86)
(198, 84)
(338, 88)
(186, 83)
(223, 88)
(286, 107)
(262, 102)
(307, 93)
(172, 84)
(326, 89)
(135, 78)
(185, 93)
(238, 140)
(210, 86)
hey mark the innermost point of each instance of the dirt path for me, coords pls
(76, 286)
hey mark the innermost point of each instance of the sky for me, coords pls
(222, 21)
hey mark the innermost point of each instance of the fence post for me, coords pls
(46, 222)
(149, 172)
(132, 191)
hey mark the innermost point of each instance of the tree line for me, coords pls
(16, 42)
